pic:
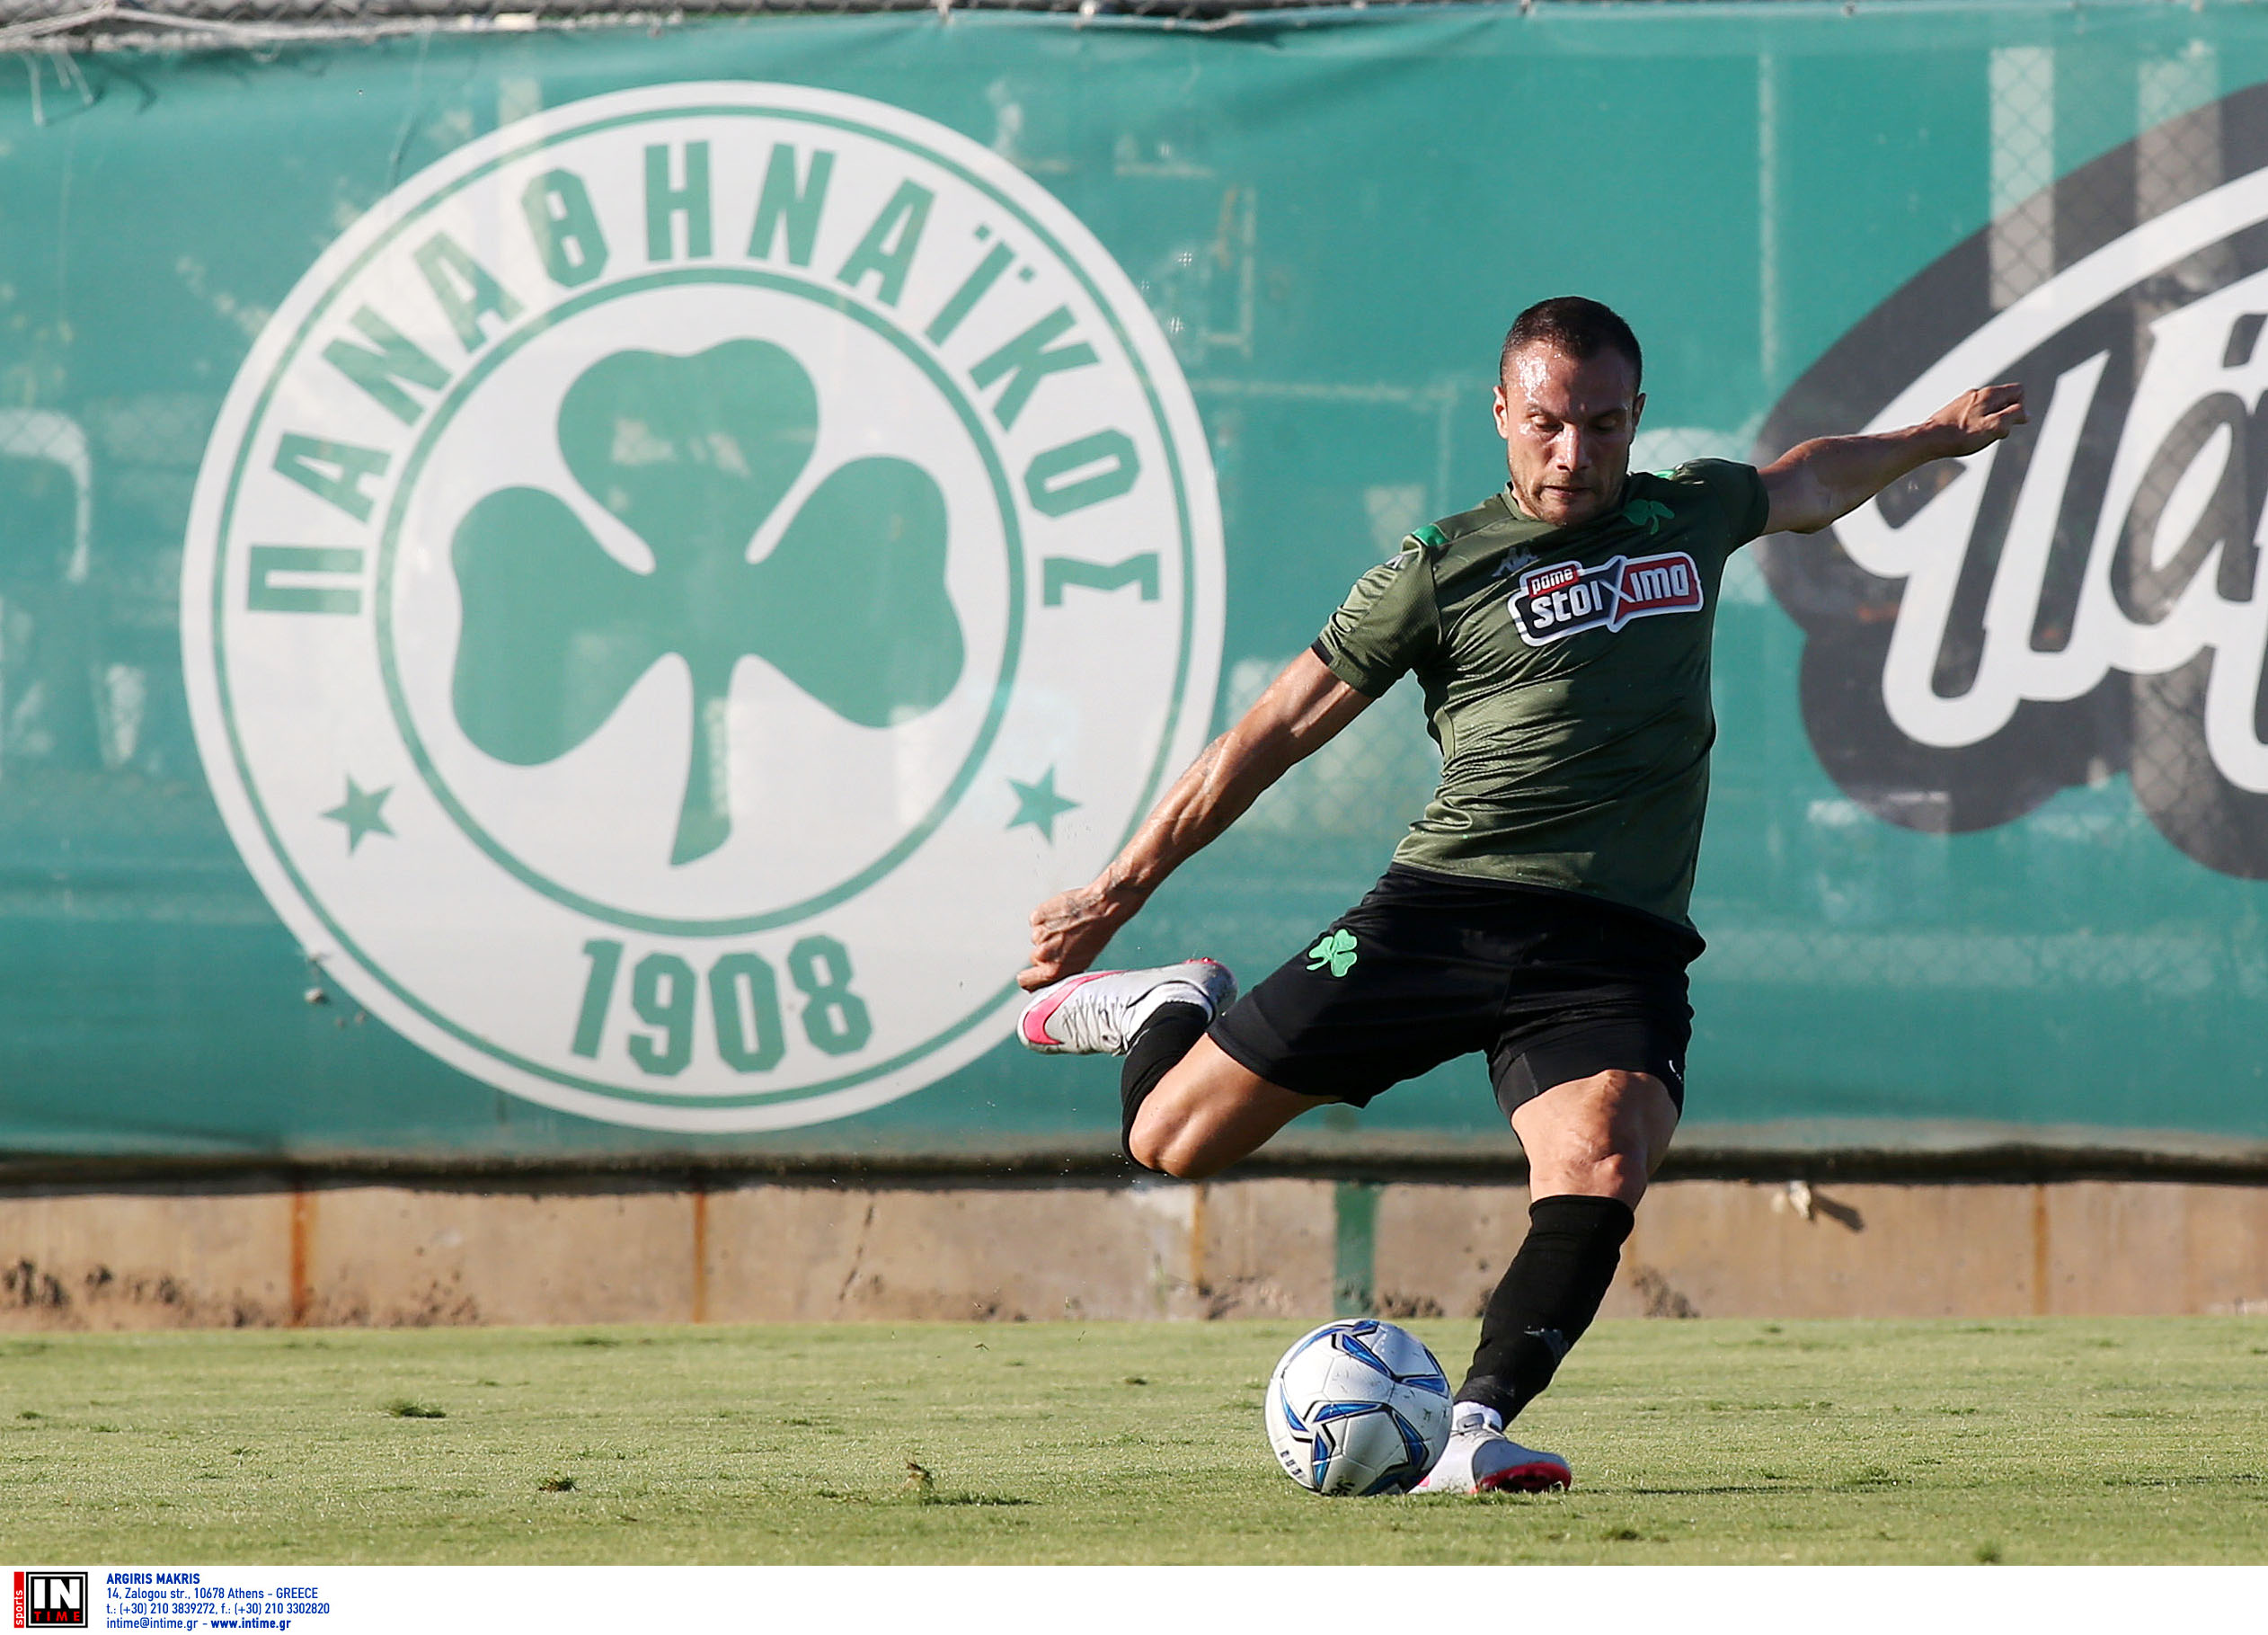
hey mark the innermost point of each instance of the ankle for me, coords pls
(1475, 1416)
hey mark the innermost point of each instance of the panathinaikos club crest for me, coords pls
(678, 579)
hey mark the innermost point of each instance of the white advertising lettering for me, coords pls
(2083, 599)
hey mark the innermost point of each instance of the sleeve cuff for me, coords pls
(1759, 506)
(1339, 666)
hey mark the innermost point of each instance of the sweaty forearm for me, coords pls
(1300, 711)
(1218, 788)
(1840, 474)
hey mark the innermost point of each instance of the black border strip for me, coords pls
(2014, 1160)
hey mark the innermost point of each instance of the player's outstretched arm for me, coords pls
(1814, 483)
(1302, 710)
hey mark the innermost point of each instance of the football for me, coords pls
(1357, 1407)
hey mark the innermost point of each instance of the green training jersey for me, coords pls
(1566, 677)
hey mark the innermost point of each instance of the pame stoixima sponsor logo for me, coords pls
(676, 579)
(2085, 599)
(47, 1599)
(1568, 598)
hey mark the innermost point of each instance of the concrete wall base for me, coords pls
(177, 1257)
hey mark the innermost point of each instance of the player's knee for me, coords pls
(1602, 1136)
(1175, 1151)
(1195, 1163)
(1595, 1169)
(1616, 1174)
(1181, 1144)
(1146, 1150)
(1176, 1130)
(1153, 1141)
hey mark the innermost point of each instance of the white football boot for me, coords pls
(1481, 1459)
(1099, 1012)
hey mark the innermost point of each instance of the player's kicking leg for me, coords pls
(1591, 1145)
(1188, 1108)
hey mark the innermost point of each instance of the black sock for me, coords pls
(1547, 1298)
(1172, 1031)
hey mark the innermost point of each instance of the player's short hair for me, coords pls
(1577, 327)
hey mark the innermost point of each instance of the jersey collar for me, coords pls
(1614, 509)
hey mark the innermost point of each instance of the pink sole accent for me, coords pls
(1537, 1478)
(1035, 1020)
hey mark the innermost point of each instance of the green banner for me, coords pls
(564, 594)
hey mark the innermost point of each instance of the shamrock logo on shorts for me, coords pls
(694, 455)
(1336, 950)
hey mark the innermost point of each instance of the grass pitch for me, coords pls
(2128, 1440)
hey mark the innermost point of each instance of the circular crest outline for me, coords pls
(230, 762)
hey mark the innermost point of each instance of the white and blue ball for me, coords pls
(1357, 1407)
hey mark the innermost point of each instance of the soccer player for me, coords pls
(1536, 910)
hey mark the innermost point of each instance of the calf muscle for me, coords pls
(1208, 1112)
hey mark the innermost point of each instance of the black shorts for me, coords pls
(1552, 986)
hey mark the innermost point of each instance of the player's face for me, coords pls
(1567, 424)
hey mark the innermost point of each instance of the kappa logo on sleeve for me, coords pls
(1567, 598)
